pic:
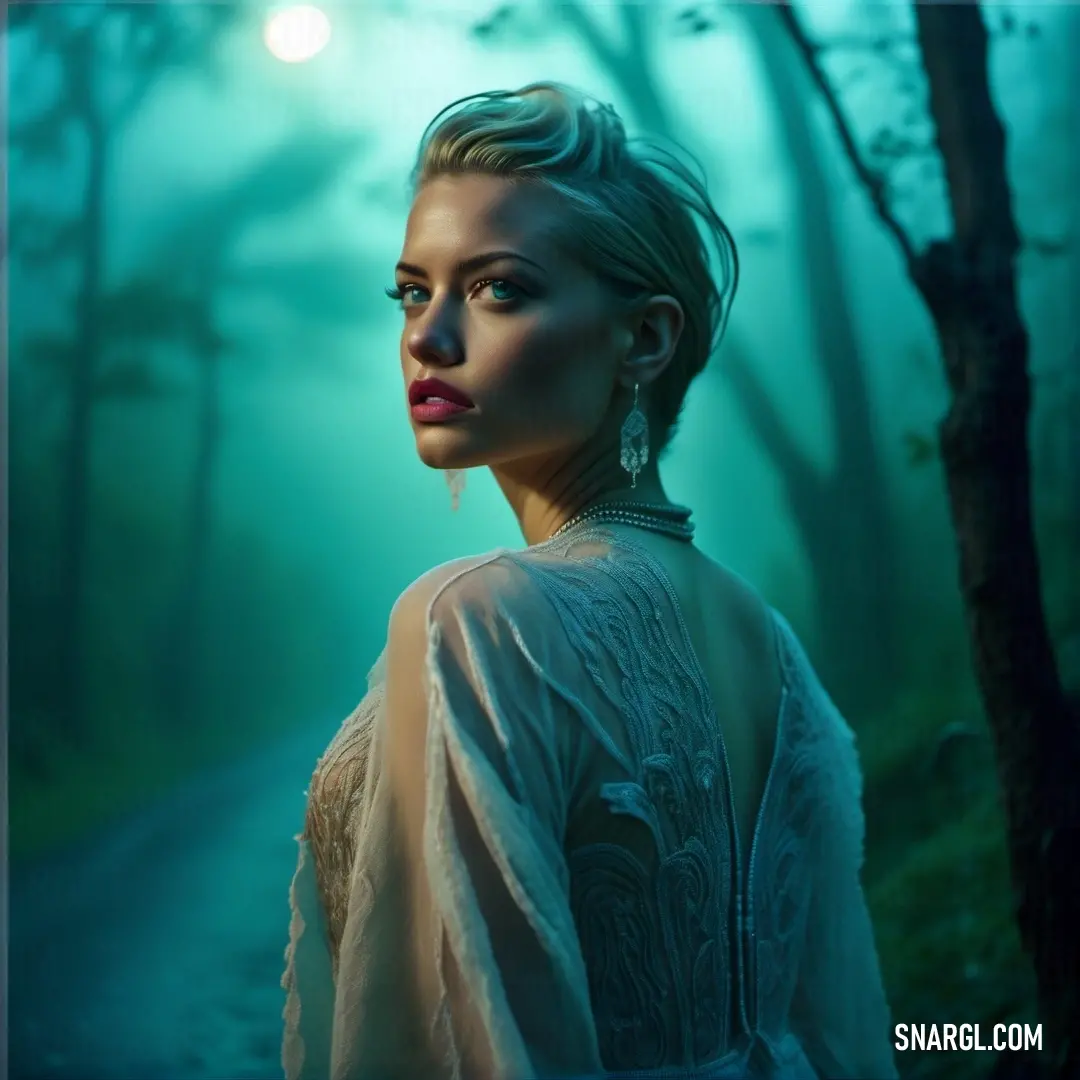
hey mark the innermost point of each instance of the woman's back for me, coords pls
(656, 837)
(735, 638)
(696, 849)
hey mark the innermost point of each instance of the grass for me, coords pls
(947, 938)
(937, 876)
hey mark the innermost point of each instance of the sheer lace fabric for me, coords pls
(576, 903)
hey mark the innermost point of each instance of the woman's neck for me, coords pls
(544, 500)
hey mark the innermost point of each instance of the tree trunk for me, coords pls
(180, 672)
(1072, 463)
(969, 284)
(846, 525)
(70, 671)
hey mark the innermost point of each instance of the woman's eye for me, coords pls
(413, 294)
(500, 289)
(404, 294)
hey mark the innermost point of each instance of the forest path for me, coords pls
(154, 950)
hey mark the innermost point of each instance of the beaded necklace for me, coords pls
(671, 520)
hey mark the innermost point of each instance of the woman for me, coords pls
(595, 815)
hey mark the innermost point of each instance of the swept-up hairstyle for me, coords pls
(637, 215)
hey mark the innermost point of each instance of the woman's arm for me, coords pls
(459, 950)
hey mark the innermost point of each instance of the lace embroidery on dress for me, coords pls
(335, 802)
(660, 943)
(293, 1045)
(688, 931)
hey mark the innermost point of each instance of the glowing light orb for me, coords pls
(297, 34)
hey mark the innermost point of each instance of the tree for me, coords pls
(844, 513)
(968, 282)
(189, 275)
(175, 299)
(109, 58)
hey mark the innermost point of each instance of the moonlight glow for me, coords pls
(297, 34)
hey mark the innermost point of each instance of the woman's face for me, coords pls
(526, 338)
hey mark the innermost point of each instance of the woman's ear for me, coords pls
(656, 329)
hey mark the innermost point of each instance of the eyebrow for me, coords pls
(474, 262)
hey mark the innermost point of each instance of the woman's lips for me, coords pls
(434, 409)
(432, 400)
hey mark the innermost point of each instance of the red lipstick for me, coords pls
(432, 400)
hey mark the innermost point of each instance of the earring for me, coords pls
(455, 481)
(634, 441)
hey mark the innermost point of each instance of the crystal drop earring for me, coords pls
(455, 481)
(634, 441)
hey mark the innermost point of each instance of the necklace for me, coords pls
(670, 520)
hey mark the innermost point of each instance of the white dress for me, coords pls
(542, 879)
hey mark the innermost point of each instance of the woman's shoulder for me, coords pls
(498, 585)
(472, 578)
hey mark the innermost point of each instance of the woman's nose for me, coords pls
(435, 343)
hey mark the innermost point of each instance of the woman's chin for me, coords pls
(439, 454)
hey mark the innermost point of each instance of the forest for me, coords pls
(213, 499)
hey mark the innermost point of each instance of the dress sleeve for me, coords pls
(839, 1010)
(459, 956)
(308, 980)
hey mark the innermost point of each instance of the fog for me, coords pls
(253, 503)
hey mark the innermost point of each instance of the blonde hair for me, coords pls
(632, 211)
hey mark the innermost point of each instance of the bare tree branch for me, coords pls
(873, 182)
